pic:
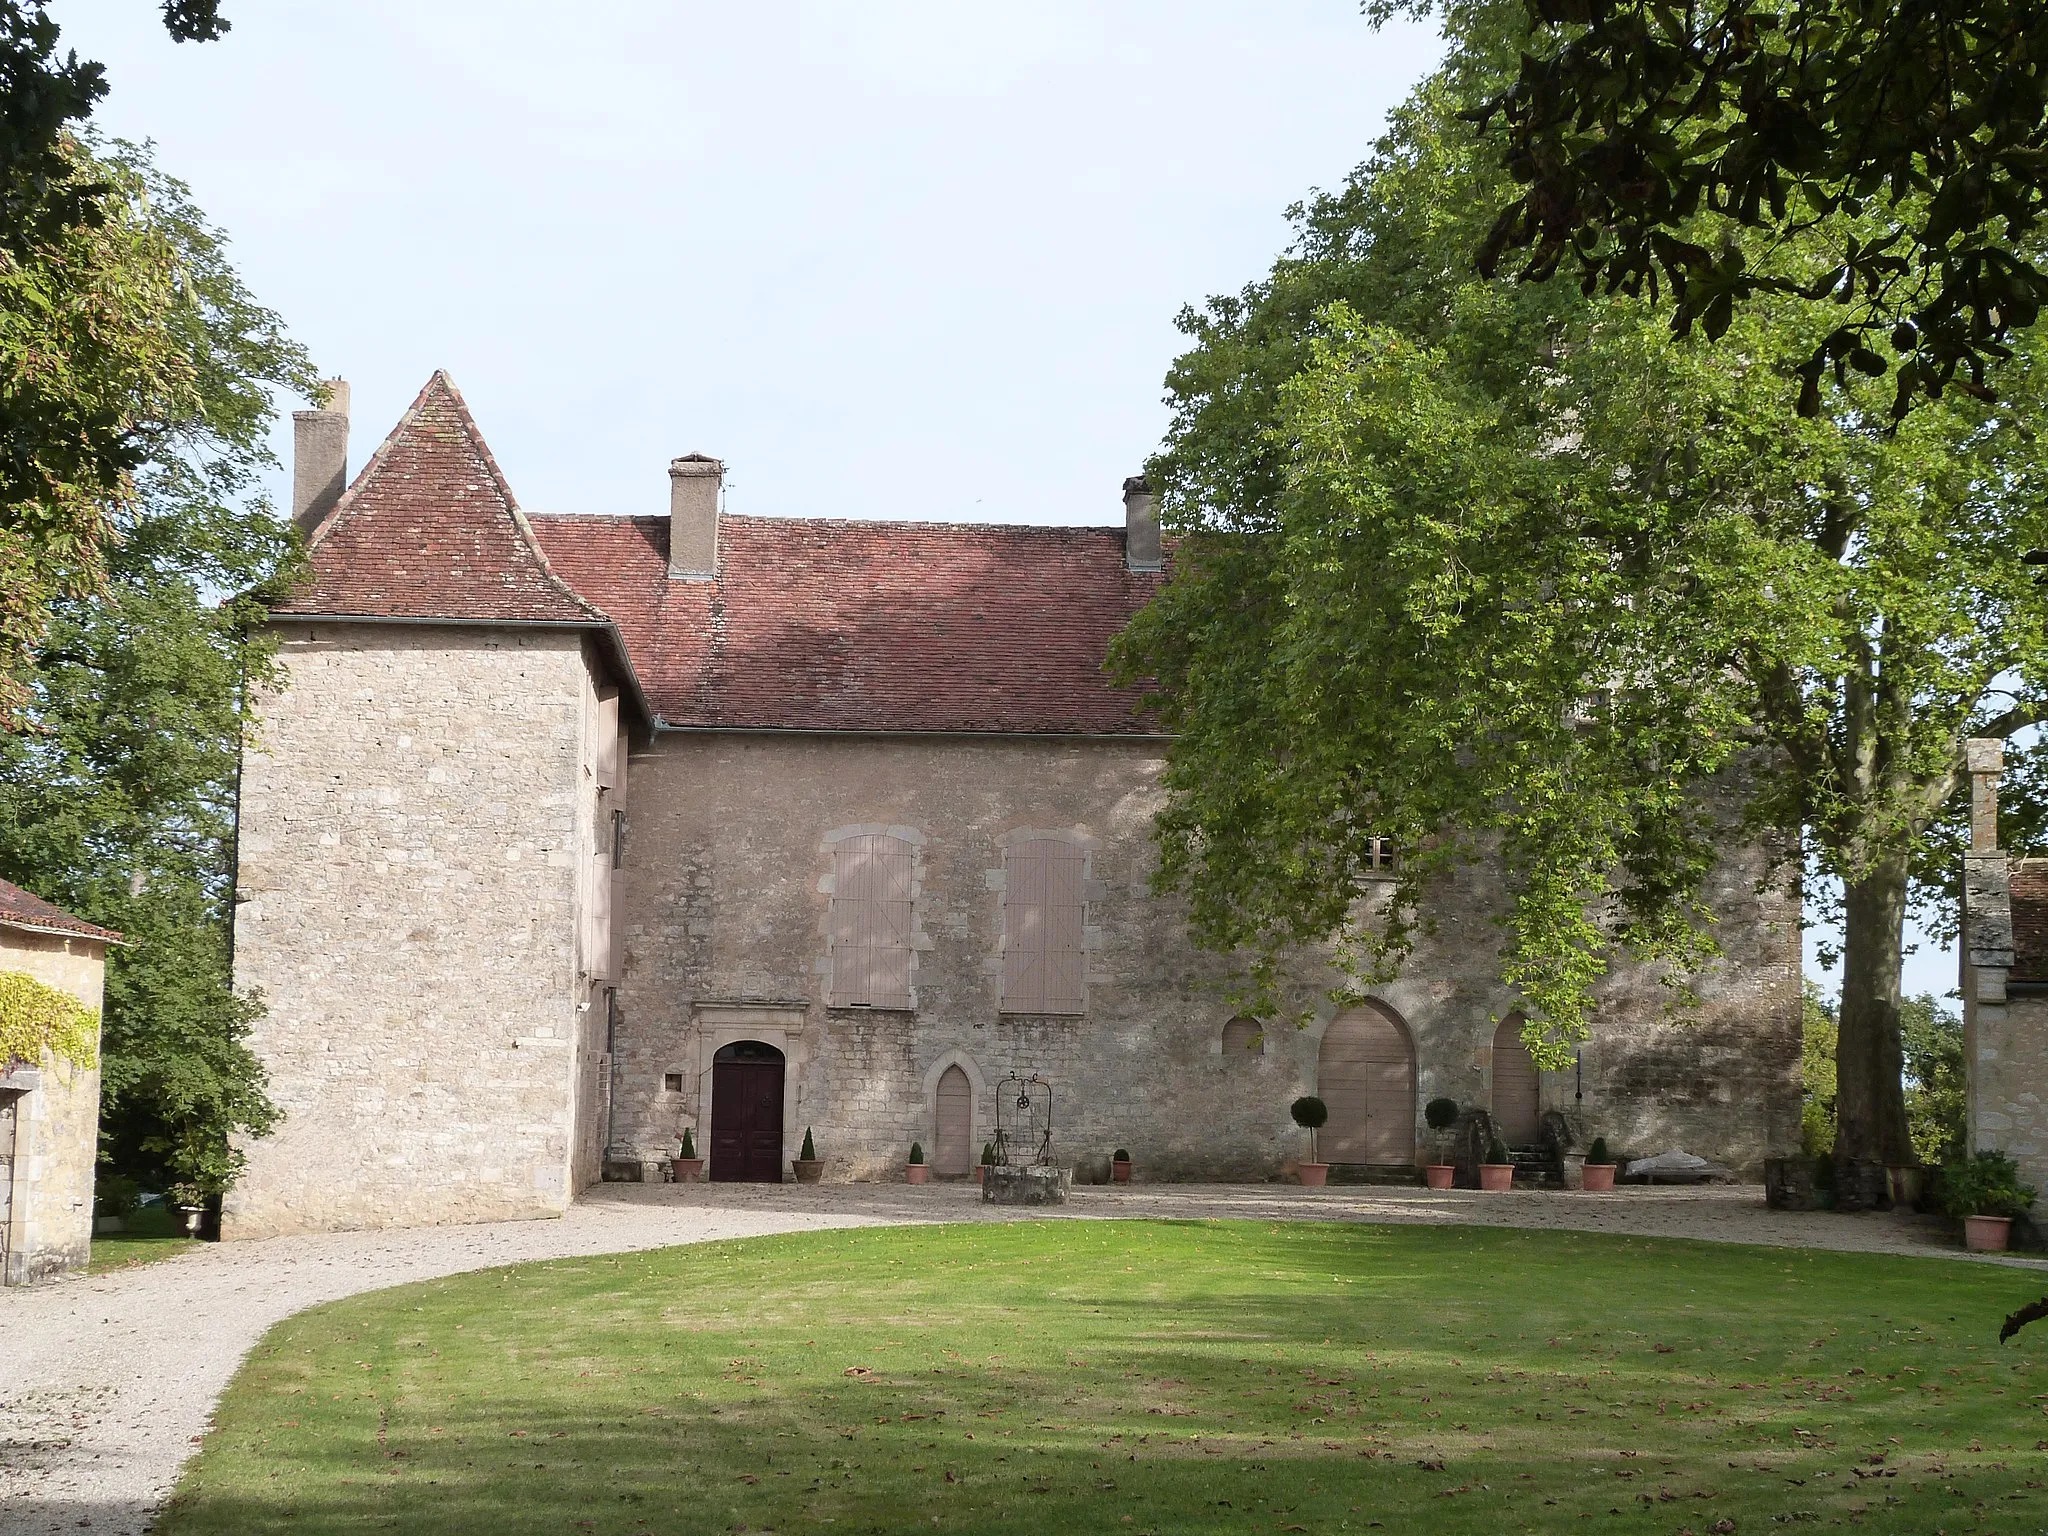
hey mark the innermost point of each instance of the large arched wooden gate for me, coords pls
(1365, 1073)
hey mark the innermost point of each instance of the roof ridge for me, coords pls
(801, 519)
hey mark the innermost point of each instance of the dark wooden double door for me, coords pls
(746, 1114)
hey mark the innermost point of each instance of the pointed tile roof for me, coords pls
(23, 910)
(430, 530)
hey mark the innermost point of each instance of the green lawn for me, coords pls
(152, 1233)
(1148, 1376)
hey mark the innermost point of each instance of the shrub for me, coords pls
(689, 1146)
(1121, 1156)
(810, 1154)
(916, 1153)
(1987, 1184)
(1310, 1112)
(115, 1195)
(988, 1154)
(1440, 1114)
(1497, 1151)
(1597, 1153)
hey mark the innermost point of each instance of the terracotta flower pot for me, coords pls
(1497, 1176)
(1599, 1178)
(1121, 1171)
(1987, 1234)
(689, 1169)
(1313, 1175)
(980, 1172)
(917, 1173)
(1439, 1175)
(808, 1169)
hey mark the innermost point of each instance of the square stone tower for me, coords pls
(427, 834)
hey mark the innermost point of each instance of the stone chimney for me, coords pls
(1985, 758)
(694, 482)
(1141, 526)
(319, 457)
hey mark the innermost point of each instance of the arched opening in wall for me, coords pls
(1517, 1092)
(746, 1113)
(953, 1133)
(1365, 1073)
(1244, 1037)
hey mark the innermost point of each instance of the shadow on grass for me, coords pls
(1142, 1376)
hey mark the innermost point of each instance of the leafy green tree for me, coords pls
(1502, 571)
(1937, 1081)
(1817, 1032)
(118, 797)
(89, 298)
(1647, 142)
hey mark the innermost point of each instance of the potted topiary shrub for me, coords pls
(1441, 1114)
(1986, 1193)
(809, 1167)
(689, 1166)
(988, 1161)
(1120, 1166)
(916, 1170)
(1498, 1171)
(1311, 1114)
(1599, 1178)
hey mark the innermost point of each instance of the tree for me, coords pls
(1505, 571)
(1647, 141)
(85, 377)
(118, 797)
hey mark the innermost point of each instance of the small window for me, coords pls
(1379, 853)
(618, 839)
(671, 1082)
(1244, 1037)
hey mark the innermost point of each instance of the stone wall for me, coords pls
(418, 825)
(723, 915)
(49, 1122)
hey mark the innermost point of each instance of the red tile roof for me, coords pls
(2029, 920)
(430, 529)
(19, 909)
(867, 626)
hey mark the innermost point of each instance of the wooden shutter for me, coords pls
(870, 922)
(1044, 910)
(606, 746)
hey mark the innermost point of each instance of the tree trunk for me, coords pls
(1870, 1096)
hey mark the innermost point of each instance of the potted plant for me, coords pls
(1498, 1171)
(916, 1170)
(1441, 1114)
(809, 1167)
(1311, 1114)
(689, 1166)
(1599, 1179)
(988, 1161)
(1986, 1193)
(1120, 1166)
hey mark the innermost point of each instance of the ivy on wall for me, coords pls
(35, 1017)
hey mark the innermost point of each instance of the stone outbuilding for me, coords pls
(568, 834)
(2003, 959)
(52, 967)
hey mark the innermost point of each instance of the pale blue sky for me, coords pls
(911, 258)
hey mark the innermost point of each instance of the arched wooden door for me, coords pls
(953, 1144)
(1517, 1093)
(746, 1113)
(1365, 1073)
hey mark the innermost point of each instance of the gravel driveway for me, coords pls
(107, 1383)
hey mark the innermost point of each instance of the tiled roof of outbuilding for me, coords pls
(430, 529)
(2029, 920)
(21, 909)
(815, 624)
